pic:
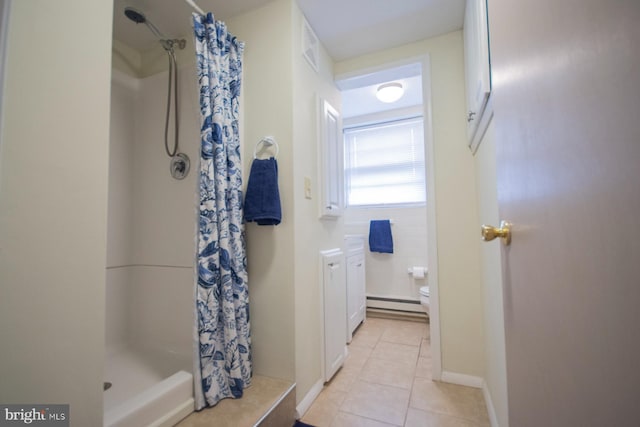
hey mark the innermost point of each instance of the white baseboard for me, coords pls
(491, 410)
(401, 304)
(462, 379)
(306, 402)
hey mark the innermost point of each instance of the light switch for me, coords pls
(307, 187)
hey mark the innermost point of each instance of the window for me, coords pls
(384, 163)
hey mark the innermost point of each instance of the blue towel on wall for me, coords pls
(380, 239)
(262, 201)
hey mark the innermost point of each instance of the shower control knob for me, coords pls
(179, 166)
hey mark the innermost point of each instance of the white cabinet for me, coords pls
(356, 283)
(331, 161)
(334, 311)
(477, 65)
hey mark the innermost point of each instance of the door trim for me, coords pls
(432, 234)
(432, 240)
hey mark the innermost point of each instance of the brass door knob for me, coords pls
(490, 232)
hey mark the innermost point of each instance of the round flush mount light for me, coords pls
(390, 92)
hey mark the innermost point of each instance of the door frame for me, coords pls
(432, 240)
(432, 226)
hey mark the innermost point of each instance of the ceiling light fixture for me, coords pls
(390, 92)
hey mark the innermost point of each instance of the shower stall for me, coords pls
(151, 231)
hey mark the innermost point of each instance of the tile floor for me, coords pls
(386, 381)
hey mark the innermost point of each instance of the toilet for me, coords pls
(424, 298)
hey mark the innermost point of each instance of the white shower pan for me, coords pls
(143, 394)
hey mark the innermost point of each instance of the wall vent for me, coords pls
(310, 45)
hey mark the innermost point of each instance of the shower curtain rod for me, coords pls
(193, 4)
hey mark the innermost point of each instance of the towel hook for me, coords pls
(267, 141)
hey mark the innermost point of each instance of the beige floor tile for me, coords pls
(378, 402)
(387, 372)
(356, 351)
(404, 334)
(349, 420)
(379, 322)
(424, 368)
(483, 414)
(386, 381)
(395, 352)
(418, 418)
(373, 326)
(421, 325)
(356, 358)
(448, 399)
(425, 348)
(324, 408)
(343, 380)
(366, 337)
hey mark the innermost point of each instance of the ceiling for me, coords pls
(359, 92)
(347, 28)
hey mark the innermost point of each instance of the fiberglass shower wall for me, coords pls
(150, 255)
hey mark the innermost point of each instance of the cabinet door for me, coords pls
(335, 336)
(331, 162)
(477, 66)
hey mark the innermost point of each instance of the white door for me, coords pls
(495, 365)
(566, 100)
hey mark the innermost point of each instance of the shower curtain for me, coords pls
(222, 331)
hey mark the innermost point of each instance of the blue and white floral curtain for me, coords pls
(222, 336)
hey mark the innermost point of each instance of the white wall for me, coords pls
(124, 91)
(267, 110)
(164, 218)
(153, 60)
(126, 59)
(151, 246)
(280, 99)
(53, 216)
(387, 273)
(460, 293)
(311, 234)
(164, 211)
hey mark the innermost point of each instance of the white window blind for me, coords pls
(385, 163)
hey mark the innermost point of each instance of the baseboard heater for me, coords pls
(399, 305)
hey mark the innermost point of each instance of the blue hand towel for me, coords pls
(262, 201)
(380, 239)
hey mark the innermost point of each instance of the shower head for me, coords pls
(135, 15)
(139, 18)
